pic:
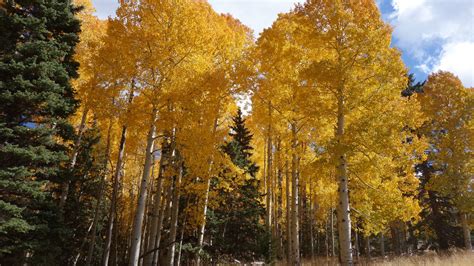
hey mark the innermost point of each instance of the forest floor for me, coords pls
(458, 258)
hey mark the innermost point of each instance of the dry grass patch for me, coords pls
(452, 258)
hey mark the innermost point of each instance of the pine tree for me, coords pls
(239, 149)
(413, 87)
(438, 216)
(236, 224)
(37, 40)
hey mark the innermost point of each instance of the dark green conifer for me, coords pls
(236, 224)
(37, 40)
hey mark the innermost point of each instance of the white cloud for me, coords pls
(458, 58)
(437, 33)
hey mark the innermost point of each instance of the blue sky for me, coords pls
(432, 34)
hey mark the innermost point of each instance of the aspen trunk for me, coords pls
(148, 217)
(333, 245)
(113, 203)
(160, 223)
(72, 165)
(94, 223)
(280, 203)
(178, 259)
(142, 196)
(326, 239)
(294, 201)
(78, 255)
(148, 259)
(367, 247)
(174, 216)
(288, 215)
(466, 232)
(302, 207)
(99, 198)
(343, 216)
(311, 217)
(202, 228)
(115, 188)
(268, 220)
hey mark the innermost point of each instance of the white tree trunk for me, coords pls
(152, 243)
(178, 259)
(113, 202)
(268, 220)
(174, 216)
(280, 202)
(165, 217)
(115, 186)
(288, 215)
(295, 256)
(202, 228)
(142, 196)
(344, 220)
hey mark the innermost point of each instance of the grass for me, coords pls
(455, 258)
(452, 258)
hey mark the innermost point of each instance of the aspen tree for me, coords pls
(352, 61)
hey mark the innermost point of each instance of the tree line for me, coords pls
(169, 135)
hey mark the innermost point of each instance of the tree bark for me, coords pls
(113, 203)
(280, 203)
(72, 165)
(115, 186)
(202, 228)
(344, 220)
(367, 247)
(99, 198)
(148, 259)
(294, 201)
(268, 220)
(142, 196)
(333, 244)
(183, 226)
(174, 216)
(466, 231)
(311, 218)
(288, 215)
(166, 192)
(357, 246)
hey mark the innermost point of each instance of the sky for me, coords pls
(432, 34)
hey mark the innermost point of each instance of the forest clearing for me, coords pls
(171, 134)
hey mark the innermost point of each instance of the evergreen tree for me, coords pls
(236, 225)
(239, 148)
(437, 226)
(412, 87)
(87, 188)
(37, 40)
